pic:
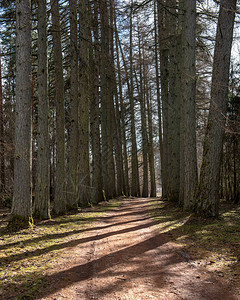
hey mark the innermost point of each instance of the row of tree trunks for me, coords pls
(176, 36)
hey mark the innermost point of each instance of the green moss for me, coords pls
(72, 208)
(104, 196)
(18, 222)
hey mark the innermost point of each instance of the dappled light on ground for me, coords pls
(141, 249)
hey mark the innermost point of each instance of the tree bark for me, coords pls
(97, 183)
(188, 126)
(159, 104)
(42, 195)
(173, 109)
(60, 183)
(135, 188)
(106, 105)
(142, 99)
(207, 195)
(22, 190)
(122, 117)
(2, 148)
(72, 180)
(164, 76)
(84, 194)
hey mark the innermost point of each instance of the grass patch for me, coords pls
(212, 243)
(27, 255)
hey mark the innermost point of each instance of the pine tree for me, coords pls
(22, 192)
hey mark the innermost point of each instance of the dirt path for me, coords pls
(123, 257)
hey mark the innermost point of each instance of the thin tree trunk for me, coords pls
(111, 112)
(22, 190)
(2, 148)
(159, 104)
(122, 117)
(117, 123)
(173, 110)
(164, 52)
(72, 184)
(42, 195)
(150, 134)
(60, 187)
(142, 97)
(135, 188)
(106, 105)
(207, 196)
(189, 103)
(97, 183)
(84, 163)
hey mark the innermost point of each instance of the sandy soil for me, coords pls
(123, 256)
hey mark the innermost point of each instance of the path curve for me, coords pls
(125, 257)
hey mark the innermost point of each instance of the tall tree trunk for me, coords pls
(97, 184)
(122, 117)
(164, 65)
(22, 190)
(159, 104)
(42, 195)
(2, 148)
(189, 103)
(111, 111)
(84, 163)
(151, 149)
(121, 189)
(173, 110)
(135, 188)
(60, 188)
(72, 183)
(142, 97)
(106, 105)
(207, 196)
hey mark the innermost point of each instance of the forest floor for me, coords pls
(127, 248)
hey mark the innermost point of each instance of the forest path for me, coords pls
(124, 256)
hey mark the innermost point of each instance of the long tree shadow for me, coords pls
(67, 233)
(85, 271)
(82, 272)
(73, 243)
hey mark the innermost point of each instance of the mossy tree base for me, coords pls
(17, 223)
(37, 215)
